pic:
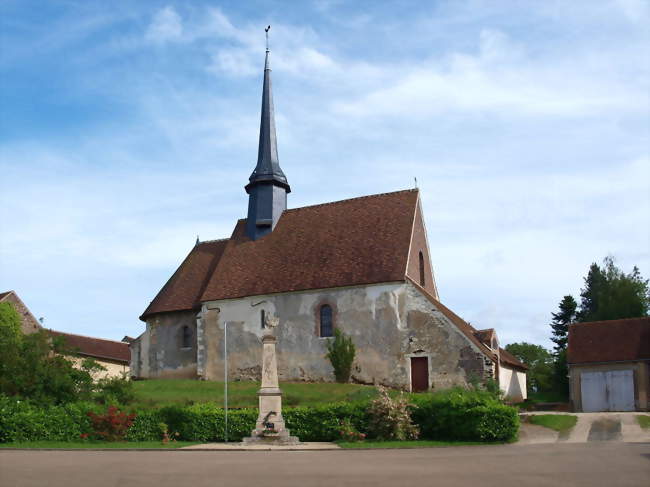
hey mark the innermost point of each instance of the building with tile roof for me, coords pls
(609, 365)
(360, 265)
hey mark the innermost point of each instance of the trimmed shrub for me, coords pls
(468, 415)
(323, 423)
(390, 418)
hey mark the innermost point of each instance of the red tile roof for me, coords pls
(351, 242)
(509, 359)
(485, 336)
(609, 341)
(183, 290)
(95, 347)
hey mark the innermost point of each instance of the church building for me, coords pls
(361, 265)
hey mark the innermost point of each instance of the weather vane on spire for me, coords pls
(267, 37)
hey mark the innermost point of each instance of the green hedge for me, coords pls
(455, 414)
(459, 414)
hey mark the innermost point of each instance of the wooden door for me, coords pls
(419, 374)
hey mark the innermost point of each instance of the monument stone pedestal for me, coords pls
(270, 428)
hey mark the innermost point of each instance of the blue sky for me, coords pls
(127, 128)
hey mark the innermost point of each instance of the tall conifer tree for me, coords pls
(561, 321)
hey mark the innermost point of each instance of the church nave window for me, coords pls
(422, 281)
(326, 327)
(187, 337)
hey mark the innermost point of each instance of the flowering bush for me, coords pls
(348, 432)
(111, 426)
(390, 418)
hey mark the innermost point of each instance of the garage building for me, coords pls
(608, 365)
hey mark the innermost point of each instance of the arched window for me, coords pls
(262, 319)
(326, 328)
(422, 281)
(187, 337)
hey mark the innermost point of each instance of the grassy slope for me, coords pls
(155, 393)
(557, 422)
(644, 421)
(97, 444)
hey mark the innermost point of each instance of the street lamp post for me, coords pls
(225, 378)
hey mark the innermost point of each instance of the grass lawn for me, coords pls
(644, 421)
(408, 444)
(98, 444)
(156, 393)
(547, 397)
(557, 422)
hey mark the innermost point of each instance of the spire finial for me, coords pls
(267, 37)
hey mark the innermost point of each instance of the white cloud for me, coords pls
(166, 26)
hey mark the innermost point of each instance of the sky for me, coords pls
(128, 128)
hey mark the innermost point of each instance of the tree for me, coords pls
(340, 352)
(539, 362)
(34, 366)
(611, 294)
(561, 321)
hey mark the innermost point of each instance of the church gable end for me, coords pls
(419, 262)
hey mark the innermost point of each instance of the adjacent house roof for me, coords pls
(184, 289)
(485, 336)
(510, 360)
(96, 347)
(351, 242)
(609, 341)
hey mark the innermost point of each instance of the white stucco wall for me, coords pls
(513, 383)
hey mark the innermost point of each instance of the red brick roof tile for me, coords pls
(508, 358)
(183, 290)
(95, 347)
(351, 242)
(609, 341)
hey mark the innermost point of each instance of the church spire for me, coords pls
(268, 186)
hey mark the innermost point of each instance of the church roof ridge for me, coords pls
(356, 198)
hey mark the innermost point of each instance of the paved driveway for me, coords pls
(588, 464)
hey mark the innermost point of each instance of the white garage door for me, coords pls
(612, 390)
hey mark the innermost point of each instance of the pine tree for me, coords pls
(561, 321)
(611, 294)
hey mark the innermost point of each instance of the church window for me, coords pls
(422, 281)
(187, 337)
(262, 319)
(326, 328)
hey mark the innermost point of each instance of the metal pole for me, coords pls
(225, 375)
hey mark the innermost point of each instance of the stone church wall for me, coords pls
(389, 323)
(158, 352)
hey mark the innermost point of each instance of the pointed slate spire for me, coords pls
(268, 165)
(268, 186)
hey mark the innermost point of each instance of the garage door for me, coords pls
(612, 390)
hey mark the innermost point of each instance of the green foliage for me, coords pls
(561, 321)
(464, 415)
(449, 415)
(111, 425)
(10, 346)
(644, 421)
(390, 418)
(115, 390)
(610, 294)
(349, 433)
(34, 369)
(539, 362)
(23, 421)
(340, 352)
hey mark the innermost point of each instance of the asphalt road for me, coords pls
(601, 464)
